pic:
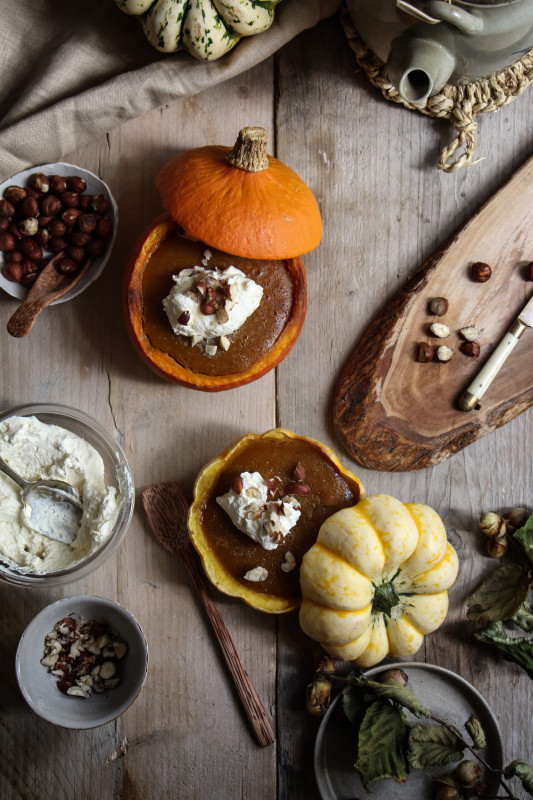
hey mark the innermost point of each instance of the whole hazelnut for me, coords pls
(42, 237)
(29, 207)
(85, 202)
(96, 247)
(492, 524)
(79, 238)
(104, 228)
(515, 518)
(29, 266)
(87, 223)
(496, 547)
(31, 192)
(13, 256)
(7, 242)
(99, 204)
(58, 184)
(15, 194)
(70, 216)
(57, 227)
(40, 182)
(31, 249)
(4, 224)
(67, 266)
(471, 349)
(425, 353)
(480, 272)
(77, 184)
(70, 199)
(438, 306)
(76, 253)
(7, 209)
(12, 271)
(14, 230)
(43, 221)
(29, 279)
(51, 205)
(57, 244)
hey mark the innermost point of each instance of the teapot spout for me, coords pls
(419, 67)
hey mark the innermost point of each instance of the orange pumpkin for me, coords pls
(243, 203)
(240, 200)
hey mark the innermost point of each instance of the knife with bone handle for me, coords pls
(469, 400)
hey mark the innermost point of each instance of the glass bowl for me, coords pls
(117, 474)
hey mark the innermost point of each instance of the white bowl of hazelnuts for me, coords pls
(54, 209)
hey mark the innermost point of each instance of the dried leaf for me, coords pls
(398, 694)
(477, 734)
(500, 595)
(432, 746)
(522, 770)
(517, 649)
(524, 617)
(381, 746)
(524, 536)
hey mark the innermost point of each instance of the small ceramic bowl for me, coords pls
(95, 185)
(117, 474)
(39, 686)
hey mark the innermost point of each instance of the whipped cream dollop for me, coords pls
(37, 450)
(266, 521)
(206, 303)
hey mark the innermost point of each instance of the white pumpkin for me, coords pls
(376, 580)
(207, 29)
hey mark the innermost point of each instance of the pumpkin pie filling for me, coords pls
(250, 342)
(276, 460)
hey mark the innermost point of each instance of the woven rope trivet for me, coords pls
(458, 104)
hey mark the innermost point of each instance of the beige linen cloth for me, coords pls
(72, 71)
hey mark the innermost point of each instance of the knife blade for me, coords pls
(469, 400)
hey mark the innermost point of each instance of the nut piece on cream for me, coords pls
(207, 303)
(265, 521)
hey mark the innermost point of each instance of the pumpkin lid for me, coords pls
(240, 200)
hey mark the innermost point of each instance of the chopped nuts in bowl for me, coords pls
(81, 662)
(54, 208)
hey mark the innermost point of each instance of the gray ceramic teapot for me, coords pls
(429, 43)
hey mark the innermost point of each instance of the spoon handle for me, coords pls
(247, 692)
(18, 479)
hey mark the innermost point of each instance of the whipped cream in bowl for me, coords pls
(48, 440)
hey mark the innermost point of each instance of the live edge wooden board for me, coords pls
(396, 414)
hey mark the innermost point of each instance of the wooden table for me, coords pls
(385, 208)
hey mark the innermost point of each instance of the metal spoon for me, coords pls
(51, 507)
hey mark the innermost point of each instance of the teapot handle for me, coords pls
(439, 11)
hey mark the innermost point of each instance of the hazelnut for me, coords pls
(492, 524)
(70, 215)
(79, 238)
(30, 207)
(31, 192)
(43, 221)
(12, 256)
(77, 184)
(4, 224)
(87, 223)
(57, 227)
(440, 330)
(58, 184)
(95, 248)
(28, 226)
(444, 353)
(7, 209)
(104, 228)
(438, 306)
(529, 271)
(480, 272)
(496, 547)
(99, 204)
(14, 230)
(67, 266)
(51, 205)
(29, 278)
(31, 249)
(7, 242)
(29, 266)
(75, 252)
(42, 237)
(470, 334)
(15, 194)
(12, 271)
(70, 199)
(85, 202)
(57, 243)
(425, 353)
(298, 488)
(471, 349)
(39, 182)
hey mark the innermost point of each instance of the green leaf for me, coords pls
(524, 537)
(398, 694)
(517, 649)
(522, 770)
(500, 595)
(433, 746)
(381, 746)
(477, 734)
(354, 704)
(524, 617)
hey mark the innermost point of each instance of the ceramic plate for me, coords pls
(447, 695)
(94, 186)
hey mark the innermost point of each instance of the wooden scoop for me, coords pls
(166, 508)
(49, 286)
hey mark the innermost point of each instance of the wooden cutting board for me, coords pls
(394, 413)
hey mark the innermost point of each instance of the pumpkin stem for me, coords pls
(249, 151)
(386, 599)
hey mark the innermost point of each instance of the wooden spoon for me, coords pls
(166, 508)
(49, 286)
